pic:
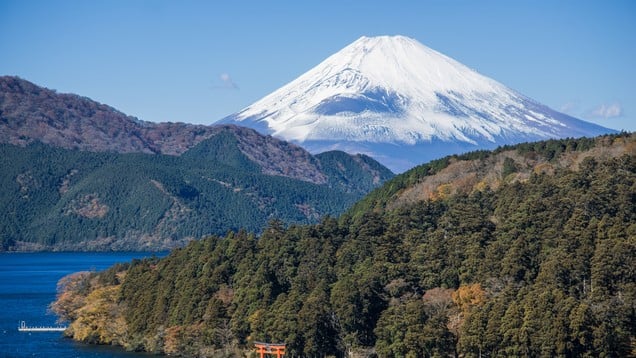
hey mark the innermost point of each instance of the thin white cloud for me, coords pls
(226, 82)
(606, 111)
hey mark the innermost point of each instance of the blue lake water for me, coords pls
(28, 284)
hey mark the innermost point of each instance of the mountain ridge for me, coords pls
(471, 172)
(30, 113)
(394, 90)
(61, 199)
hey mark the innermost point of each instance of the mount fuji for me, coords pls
(404, 104)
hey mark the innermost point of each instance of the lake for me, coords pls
(28, 285)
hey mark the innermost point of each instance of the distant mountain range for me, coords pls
(79, 175)
(404, 104)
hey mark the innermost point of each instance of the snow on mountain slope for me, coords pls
(403, 103)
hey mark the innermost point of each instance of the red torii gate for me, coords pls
(270, 348)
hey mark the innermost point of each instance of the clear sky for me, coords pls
(199, 61)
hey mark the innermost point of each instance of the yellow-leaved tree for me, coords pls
(100, 320)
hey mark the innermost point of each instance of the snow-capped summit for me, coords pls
(403, 103)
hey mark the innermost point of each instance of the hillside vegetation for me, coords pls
(478, 170)
(539, 265)
(60, 199)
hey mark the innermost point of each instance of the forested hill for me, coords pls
(475, 171)
(538, 266)
(33, 114)
(59, 199)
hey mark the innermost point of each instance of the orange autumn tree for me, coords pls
(98, 320)
(72, 290)
(465, 298)
(468, 296)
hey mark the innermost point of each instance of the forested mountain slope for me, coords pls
(33, 114)
(60, 199)
(538, 265)
(475, 171)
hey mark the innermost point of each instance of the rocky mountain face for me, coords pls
(404, 104)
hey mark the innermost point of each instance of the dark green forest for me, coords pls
(540, 267)
(60, 199)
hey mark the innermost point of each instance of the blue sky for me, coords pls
(198, 61)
